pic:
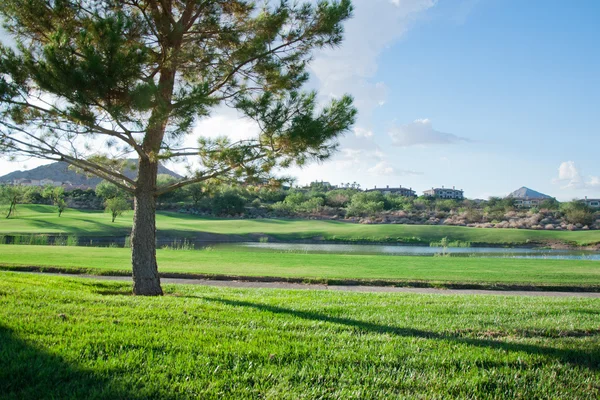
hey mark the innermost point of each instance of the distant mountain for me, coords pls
(526, 193)
(60, 172)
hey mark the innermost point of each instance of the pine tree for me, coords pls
(94, 82)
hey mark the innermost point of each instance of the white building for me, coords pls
(592, 203)
(444, 193)
(402, 191)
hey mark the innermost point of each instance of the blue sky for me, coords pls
(485, 95)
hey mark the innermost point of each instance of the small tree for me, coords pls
(56, 194)
(94, 82)
(12, 195)
(108, 190)
(116, 206)
(196, 192)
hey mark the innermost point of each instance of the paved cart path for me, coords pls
(343, 288)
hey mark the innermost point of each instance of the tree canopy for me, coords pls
(94, 82)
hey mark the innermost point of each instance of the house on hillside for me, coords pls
(321, 185)
(592, 203)
(402, 191)
(45, 182)
(444, 193)
(26, 182)
(527, 198)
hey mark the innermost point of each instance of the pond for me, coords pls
(406, 250)
(316, 248)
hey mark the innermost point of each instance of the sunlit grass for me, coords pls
(68, 338)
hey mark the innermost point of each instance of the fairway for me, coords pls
(324, 267)
(74, 339)
(44, 219)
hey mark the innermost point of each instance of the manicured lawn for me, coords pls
(80, 339)
(316, 266)
(44, 219)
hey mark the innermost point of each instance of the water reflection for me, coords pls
(422, 250)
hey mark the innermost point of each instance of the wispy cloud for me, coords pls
(421, 132)
(384, 168)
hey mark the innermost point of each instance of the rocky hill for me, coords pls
(60, 172)
(526, 193)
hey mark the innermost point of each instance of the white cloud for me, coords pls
(384, 168)
(361, 132)
(375, 25)
(381, 168)
(570, 177)
(234, 127)
(421, 132)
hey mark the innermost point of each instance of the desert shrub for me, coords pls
(549, 204)
(473, 216)
(365, 204)
(295, 197)
(270, 195)
(339, 197)
(446, 205)
(424, 203)
(228, 202)
(314, 204)
(397, 202)
(577, 212)
(282, 208)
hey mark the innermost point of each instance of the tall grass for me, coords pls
(60, 241)
(40, 240)
(72, 240)
(179, 245)
(445, 242)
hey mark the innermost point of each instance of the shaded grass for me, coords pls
(35, 219)
(327, 268)
(69, 338)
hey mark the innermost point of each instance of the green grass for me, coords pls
(44, 219)
(82, 339)
(326, 267)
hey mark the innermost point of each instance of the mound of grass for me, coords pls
(33, 219)
(74, 339)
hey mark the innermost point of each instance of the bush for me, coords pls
(577, 212)
(228, 202)
(312, 205)
(365, 204)
(397, 202)
(269, 195)
(295, 197)
(339, 197)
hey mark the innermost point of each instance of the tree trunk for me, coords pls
(146, 281)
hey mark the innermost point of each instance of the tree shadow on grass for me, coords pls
(93, 228)
(28, 372)
(589, 359)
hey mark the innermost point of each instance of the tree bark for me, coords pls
(146, 281)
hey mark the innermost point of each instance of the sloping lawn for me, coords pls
(44, 219)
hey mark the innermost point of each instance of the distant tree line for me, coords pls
(318, 201)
